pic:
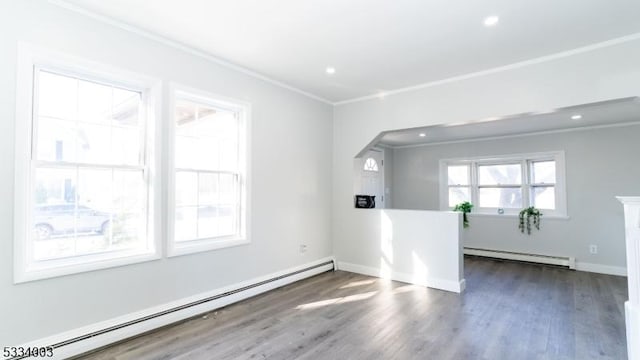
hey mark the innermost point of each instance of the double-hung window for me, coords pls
(506, 184)
(209, 188)
(83, 186)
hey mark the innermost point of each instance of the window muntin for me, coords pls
(506, 184)
(87, 193)
(208, 203)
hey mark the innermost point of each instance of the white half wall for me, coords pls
(603, 73)
(413, 246)
(291, 172)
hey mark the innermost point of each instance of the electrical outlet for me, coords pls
(593, 249)
(303, 248)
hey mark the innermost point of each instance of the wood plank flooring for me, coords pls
(509, 311)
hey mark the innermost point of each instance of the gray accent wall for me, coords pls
(600, 164)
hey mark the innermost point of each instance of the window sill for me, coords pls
(92, 263)
(196, 246)
(545, 217)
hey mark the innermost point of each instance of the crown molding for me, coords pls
(205, 55)
(183, 47)
(517, 65)
(510, 136)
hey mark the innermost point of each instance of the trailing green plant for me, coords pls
(529, 213)
(465, 208)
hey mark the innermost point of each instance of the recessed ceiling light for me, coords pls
(422, 135)
(330, 70)
(491, 20)
(576, 117)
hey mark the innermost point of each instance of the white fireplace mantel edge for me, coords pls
(632, 307)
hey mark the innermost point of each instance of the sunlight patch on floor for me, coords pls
(358, 283)
(335, 301)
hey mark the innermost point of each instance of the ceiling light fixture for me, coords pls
(491, 20)
(330, 70)
(422, 135)
(576, 117)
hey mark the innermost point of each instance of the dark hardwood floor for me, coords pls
(509, 311)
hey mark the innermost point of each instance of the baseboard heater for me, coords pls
(184, 307)
(569, 262)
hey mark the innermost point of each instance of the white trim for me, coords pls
(501, 137)
(629, 200)
(632, 316)
(431, 282)
(517, 65)
(243, 109)
(95, 342)
(30, 59)
(569, 262)
(515, 216)
(183, 47)
(601, 269)
(201, 245)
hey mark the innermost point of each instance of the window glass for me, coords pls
(458, 174)
(544, 197)
(202, 129)
(500, 197)
(543, 172)
(370, 165)
(458, 195)
(504, 174)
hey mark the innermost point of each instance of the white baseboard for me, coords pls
(535, 258)
(92, 343)
(441, 284)
(570, 262)
(601, 269)
(632, 314)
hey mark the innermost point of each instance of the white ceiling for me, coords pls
(375, 45)
(597, 114)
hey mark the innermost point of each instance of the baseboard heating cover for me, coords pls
(95, 336)
(569, 262)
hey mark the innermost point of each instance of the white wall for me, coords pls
(291, 189)
(601, 74)
(598, 167)
(413, 246)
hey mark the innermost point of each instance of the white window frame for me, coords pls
(31, 59)
(174, 248)
(525, 160)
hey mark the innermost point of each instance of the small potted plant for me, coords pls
(529, 214)
(464, 207)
